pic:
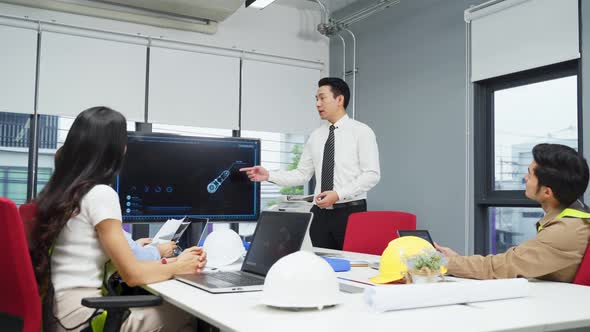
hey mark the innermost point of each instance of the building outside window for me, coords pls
(15, 130)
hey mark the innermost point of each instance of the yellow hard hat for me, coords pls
(392, 267)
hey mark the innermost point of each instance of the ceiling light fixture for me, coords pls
(258, 3)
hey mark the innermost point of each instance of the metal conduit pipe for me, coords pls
(324, 11)
(367, 10)
(353, 72)
(330, 27)
(343, 57)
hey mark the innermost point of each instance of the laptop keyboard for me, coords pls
(237, 279)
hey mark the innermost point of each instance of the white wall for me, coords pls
(277, 30)
(411, 91)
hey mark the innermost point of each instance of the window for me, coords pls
(191, 131)
(511, 226)
(53, 131)
(13, 183)
(529, 114)
(535, 214)
(513, 113)
(14, 155)
(279, 152)
(15, 130)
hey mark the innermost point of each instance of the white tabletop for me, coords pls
(551, 306)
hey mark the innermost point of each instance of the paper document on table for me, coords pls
(354, 262)
(167, 231)
(329, 254)
(300, 198)
(396, 297)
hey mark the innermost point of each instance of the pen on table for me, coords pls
(360, 282)
(359, 264)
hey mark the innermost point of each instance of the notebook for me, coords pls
(277, 234)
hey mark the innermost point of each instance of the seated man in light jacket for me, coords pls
(144, 252)
(556, 178)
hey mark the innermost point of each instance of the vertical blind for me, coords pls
(78, 72)
(193, 89)
(189, 85)
(18, 60)
(279, 97)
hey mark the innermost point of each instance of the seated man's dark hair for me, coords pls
(562, 169)
(338, 86)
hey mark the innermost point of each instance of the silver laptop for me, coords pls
(277, 234)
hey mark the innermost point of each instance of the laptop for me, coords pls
(277, 234)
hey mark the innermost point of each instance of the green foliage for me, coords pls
(297, 150)
(271, 203)
(429, 259)
(292, 190)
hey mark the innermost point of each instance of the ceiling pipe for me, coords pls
(324, 11)
(343, 57)
(330, 27)
(353, 72)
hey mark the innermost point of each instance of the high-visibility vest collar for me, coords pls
(573, 213)
(569, 213)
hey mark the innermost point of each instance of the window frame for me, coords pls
(485, 194)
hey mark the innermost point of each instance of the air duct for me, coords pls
(193, 15)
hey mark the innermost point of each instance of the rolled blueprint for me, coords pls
(402, 296)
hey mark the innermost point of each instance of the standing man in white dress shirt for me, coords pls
(344, 156)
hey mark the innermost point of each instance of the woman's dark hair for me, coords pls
(338, 87)
(92, 154)
(562, 169)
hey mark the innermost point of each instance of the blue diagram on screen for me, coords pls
(218, 181)
(168, 176)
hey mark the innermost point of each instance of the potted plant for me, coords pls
(426, 267)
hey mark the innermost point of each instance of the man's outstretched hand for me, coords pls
(445, 251)
(256, 173)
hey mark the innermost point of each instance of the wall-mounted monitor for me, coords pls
(173, 176)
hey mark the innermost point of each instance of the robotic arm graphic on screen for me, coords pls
(214, 185)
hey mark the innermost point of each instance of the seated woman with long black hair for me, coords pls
(78, 229)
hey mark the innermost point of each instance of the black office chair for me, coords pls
(118, 309)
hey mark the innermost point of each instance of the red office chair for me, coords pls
(370, 232)
(18, 287)
(583, 275)
(27, 213)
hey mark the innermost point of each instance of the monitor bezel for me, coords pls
(212, 218)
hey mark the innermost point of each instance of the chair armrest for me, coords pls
(122, 302)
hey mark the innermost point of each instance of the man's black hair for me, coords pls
(562, 169)
(338, 87)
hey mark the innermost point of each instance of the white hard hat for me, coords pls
(301, 280)
(223, 247)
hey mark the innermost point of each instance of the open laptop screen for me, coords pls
(277, 234)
